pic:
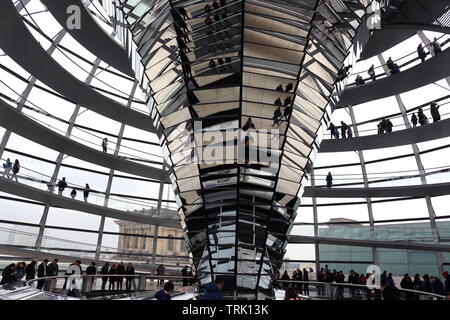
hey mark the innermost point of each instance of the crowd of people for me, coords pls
(388, 287)
(112, 275)
(385, 125)
(25, 272)
(277, 115)
(390, 64)
(297, 275)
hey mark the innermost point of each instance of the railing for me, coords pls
(41, 181)
(86, 286)
(53, 245)
(369, 127)
(63, 58)
(384, 179)
(90, 139)
(402, 62)
(337, 291)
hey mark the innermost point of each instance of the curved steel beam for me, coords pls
(425, 133)
(22, 125)
(20, 45)
(96, 40)
(431, 70)
(391, 35)
(432, 190)
(28, 192)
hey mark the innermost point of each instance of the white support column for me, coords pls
(427, 43)
(158, 211)
(26, 92)
(60, 157)
(366, 185)
(421, 170)
(111, 174)
(316, 222)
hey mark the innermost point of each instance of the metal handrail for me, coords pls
(99, 275)
(29, 283)
(359, 286)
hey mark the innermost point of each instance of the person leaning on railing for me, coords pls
(8, 274)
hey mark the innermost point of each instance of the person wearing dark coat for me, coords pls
(86, 191)
(414, 120)
(349, 132)
(389, 126)
(120, 270)
(383, 276)
(434, 108)
(390, 65)
(421, 116)
(104, 271)
(359, 80)
(62, 184)
(436, 46)
(421, 52)
(41, 273)
(352, 279)
(185, 275)
(91, 270)
(112, 280)
(285, 277)
(289, 87)
(407, 283)
(161, 270)
(382, 128)
(182, 11)
(389, 293)
(344, 128)
(129, 271)
(371, 73)
(329, 180)
(8, 274)
(438, 286)
(305, 278)
(287, 101)
(213, 291)
(299, 277)
(286, 113)
(166, 292)
(447, 284)
(426, 284)
(30, 271)
(417, 284)
(52, 269)
(19, 272)
(333, 131)
(276, 116)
